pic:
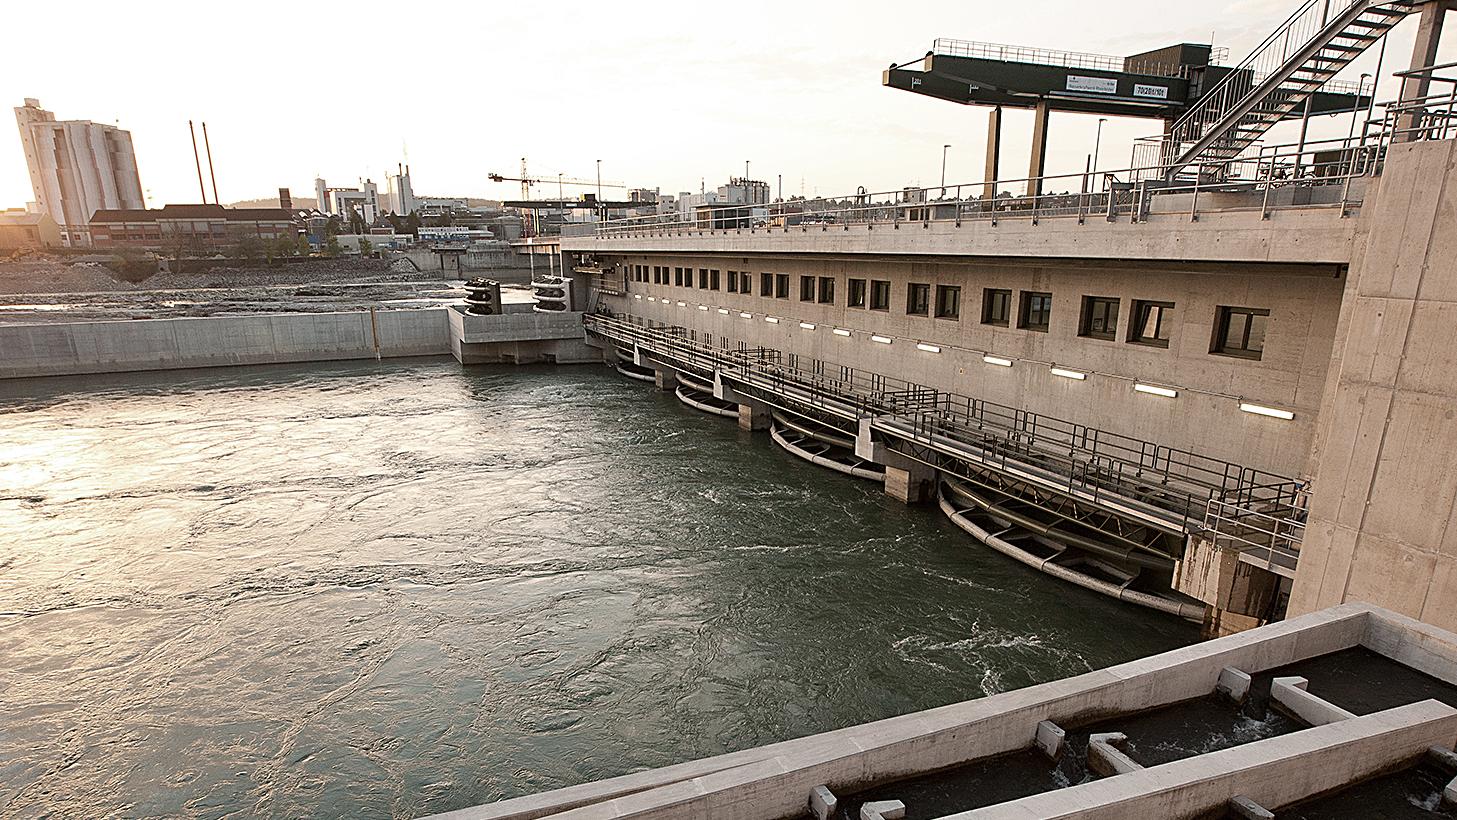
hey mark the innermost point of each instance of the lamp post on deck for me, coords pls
(1098, 143)
(944, 149)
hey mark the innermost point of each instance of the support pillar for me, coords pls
(666, 380)
(910, 483)
(1423, 54)
(1038, 165)
(753, 417)
(994, 155)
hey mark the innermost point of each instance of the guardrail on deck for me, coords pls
(1190, 492)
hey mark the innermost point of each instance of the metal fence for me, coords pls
(1191, 491)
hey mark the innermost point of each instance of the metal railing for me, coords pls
(1187, 491)
(1429, 116)
(1130, 194)
(1067, 59)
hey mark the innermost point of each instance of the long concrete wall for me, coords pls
(165, 344)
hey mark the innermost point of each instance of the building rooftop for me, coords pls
(203, 211)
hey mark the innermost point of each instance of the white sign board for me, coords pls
(1156, 92)
(1095, 85)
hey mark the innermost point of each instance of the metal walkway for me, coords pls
(1162, 488)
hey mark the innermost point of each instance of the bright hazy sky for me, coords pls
(665, 94)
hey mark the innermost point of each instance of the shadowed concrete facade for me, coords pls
(1384, 513)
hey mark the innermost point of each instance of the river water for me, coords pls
(393, 589)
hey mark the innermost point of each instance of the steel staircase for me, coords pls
(1320, 38)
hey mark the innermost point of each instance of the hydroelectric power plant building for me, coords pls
(1218, 384)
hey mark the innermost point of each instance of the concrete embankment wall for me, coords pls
(165, 344)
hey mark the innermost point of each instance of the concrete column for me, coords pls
(1423, 54)
(666, 380)
(994, 154)
(910, 483)
(1038, 166)
(753, 417)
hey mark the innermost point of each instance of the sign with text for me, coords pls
(1094, 85)
(1155, 92)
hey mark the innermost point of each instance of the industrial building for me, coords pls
(1149, 387)
(207, 227)
(20, 228)
(77, 167)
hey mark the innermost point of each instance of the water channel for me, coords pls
(393, 589)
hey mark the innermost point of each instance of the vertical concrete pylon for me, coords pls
(1423, 54)
(994, 154)
(1038, 165)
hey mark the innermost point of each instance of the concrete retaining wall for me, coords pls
(165, 344)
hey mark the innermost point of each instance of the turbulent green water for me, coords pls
(376, 590)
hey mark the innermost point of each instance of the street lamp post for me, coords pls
(944, 149)
(1098, 143)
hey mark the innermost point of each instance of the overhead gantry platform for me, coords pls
(1163, 84)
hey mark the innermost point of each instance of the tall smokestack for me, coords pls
(208, 146)
(197, 161)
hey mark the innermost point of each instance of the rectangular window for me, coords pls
(746, 282)
(781, 286)
(766, 284)
(678, 277)
(879, 295)
(1036, 311)
(703, 278)
(996, 307)
(827, 290)
(1100, 317)
(1151, 324)
(713, 280)
(1240, 331)
(806, 288)
(857, 293)
(948, 302)
(918, 299)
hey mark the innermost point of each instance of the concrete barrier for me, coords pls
(772, 780)
(1275, 772)
(213, 341)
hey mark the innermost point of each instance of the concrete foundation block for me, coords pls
(1449, 793)
(666, 380)
(1290, 693)
(883, 810)
(1233, 684)
(1446, 759)
(1244, 807)
(753, 417)
(910, 486)
(822, 802)
(1051, 739)
(1105, 759)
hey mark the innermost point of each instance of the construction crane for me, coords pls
(527, 181)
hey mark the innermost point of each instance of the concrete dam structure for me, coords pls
(1213, 392)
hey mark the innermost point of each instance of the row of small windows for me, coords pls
(1238, 331)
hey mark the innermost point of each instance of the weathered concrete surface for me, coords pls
(165, 344)
(1050, 739)
(1272, 772)
(1290, 693)
(1104, 756)
(1383, 517)
(519, 337)
(1247, 809)
(1233, 684)
(910, 483)
(822, 803)
(772, 781)
(883, 810)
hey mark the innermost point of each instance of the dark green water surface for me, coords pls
(394, 589)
